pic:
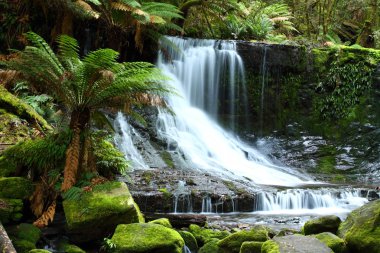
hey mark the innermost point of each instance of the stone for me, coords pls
(190, 240)
(39, 251)
(97, 213)
(162, 221)
(146, 238)
(71, 248)
(203, 235)
(10, 210)
(15, 188)
(24, 237)
(361, 229)
(295, 244)
(210, 247)
(332, 241)
(329, 223)
(232, 243)
(251, 247)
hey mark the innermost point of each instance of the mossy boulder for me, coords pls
(24, 236)
(7, 168)
(16, 106)
(210, 247)
(329, 223)
(338, 245)
(39, 251)
(146, 238)
(251, 247)
(12, 128)
(15, 187)
(190, 240)
(71, 248)
(232, 243)
(97, 213)
(295, 244)
(361, 229)
(203, 235)
(10, 210)
(288, 231)
(162, 221)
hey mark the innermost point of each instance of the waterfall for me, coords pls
(199, 71)
(306, 201)
(124, 139)
(264, 76)
(207, 205)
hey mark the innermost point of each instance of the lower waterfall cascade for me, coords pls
(200, 72)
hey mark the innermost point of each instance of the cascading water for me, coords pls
(198, 71)
(305, 201)
(124, 141)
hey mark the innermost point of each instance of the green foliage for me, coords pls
(343, 88)
(74, 193)
(108, 158)
(40, 154)
(108, 245)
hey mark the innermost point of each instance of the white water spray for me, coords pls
(196, 71)
(124, 139)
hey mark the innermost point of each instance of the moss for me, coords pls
(270, 247)
(329, 223)
(71, 248)
(233, 242)
(12, 128)
(203, 235)
(10, 210)
(39, 251)
(147, 176)
(361, 229)
(98, 212)
(332, 241)
(190, 240)
(146, 237)
(288, 231)
(23, 246)
(210, 247)
(7, 168)
(165, 192)
(167, 158)
(251, 247)
(163, 222)
(16, 106)
(15, 187)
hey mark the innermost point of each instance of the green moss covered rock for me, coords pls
(251, 247)
(10, 210)
(97, 213)
(24, 237)
(295, 244)
(232, 243)
(190, 240)
(71, 248)
(329, 223)
(203, 235)
(12, 128)
(361, 229)
(7, 168)
(335, 243)
(146, 238)
(210, 247)
(39, 251)
(16, 106)
(162, 221)
(15, 187)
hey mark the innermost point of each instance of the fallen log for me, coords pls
(6, 245)
(179, 220)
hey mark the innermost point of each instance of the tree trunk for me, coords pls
(6, 245)
(79, 121)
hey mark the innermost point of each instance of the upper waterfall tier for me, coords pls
(201, 72)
